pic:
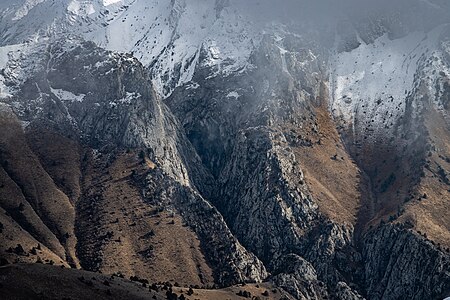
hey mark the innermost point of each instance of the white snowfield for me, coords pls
(67, 96)
(371, 83)
(174, 38)
(109, 2)
(171, 36)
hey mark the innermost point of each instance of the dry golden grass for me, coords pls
(148, 242)
(13, 234)
(330, 173)
(432, 215)
(43, 202)
(60, 156)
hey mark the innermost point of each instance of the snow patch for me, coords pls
(371, 82)
(171, 36)
(25, 8)
(82, 8)
(192, 86)
(109, 2)
(67, 96)
(127, 100)
(233, 94)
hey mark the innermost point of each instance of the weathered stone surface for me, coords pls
(400, 264)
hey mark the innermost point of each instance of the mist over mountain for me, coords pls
(220, 149)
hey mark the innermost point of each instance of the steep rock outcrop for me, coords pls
(232, 262)
(400, 264)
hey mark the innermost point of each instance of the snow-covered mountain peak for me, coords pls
(169, 36)
(173, 38)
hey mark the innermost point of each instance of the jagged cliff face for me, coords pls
(316, 157)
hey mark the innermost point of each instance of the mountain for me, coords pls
(212, 143)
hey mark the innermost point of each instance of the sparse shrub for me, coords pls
(244, 294)
(265, 294)
(4, 261)
(89, 283)
(19, 250)
(141, 280)
(171, 295)
(191, 291)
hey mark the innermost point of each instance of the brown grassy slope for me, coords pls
(264, 291)
(120, 232)
(429, 211)
(38, 189)
(61, 158)
(330, 173)
(39, 281)
(13, 234)
(24, 221)
(49, 282)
